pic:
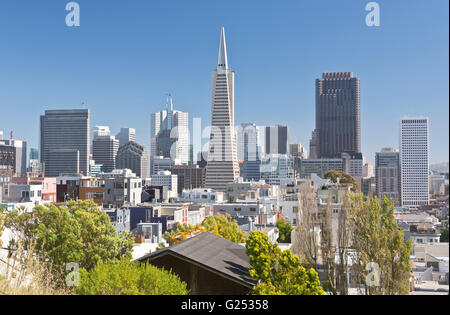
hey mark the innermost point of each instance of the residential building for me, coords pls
(93, 189)
(259, 213)
(22, 193)
(67, 186)
(48, 192)
(8, 157)
(20, 158)
(209, 264)
(121, 191)
(166, 178)
(202, 196)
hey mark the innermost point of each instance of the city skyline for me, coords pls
(67, 81)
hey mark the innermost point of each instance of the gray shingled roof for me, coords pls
(214, 253)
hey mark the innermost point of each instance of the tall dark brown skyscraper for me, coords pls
(338, 123)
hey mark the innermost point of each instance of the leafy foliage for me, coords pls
(183, 232)
(377, 239)
(279, 272)
(79, 233)
(226, 227)
(220, 225)
(285, 230)
(344, 178)
(127, 278)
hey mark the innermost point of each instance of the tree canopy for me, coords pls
(221, 225)
(125, 278)
(382, 256)
(344, 178)
(77, 233)
(279, 272)
(285, 230)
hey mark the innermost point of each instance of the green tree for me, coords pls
(221, 225)
(79, 232)
(444, 236)
(376, 239)
(344, 178)
(285, 230)
(129, 278)
(279, 272)
(224, 226)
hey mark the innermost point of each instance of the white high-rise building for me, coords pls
(169, 134)
(414, 166)
(126, 135)
(101, 131)
(248, 136)
(222, 167)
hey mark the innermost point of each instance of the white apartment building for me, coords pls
(414, 161)
(165, 178)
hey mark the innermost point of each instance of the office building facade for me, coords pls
(414, 161)
(64, 141)
(338, 122)
(276, 139)
(133, 156)
(387, 174)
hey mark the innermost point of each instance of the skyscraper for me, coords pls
(133, 156)
(338, 123)
(276, 139)
(126, 135)
(104, 151)
(414, 165)
(64, 143)
(170, 134)
(387, 174)
(222, 167)
(248, 136)
(101, 131)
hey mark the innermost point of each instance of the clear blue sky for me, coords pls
(127, 54)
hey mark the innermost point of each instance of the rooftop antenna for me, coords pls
(169, 101)
(11, 135)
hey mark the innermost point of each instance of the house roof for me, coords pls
(213, 253)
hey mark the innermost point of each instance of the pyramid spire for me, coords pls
(223, 60)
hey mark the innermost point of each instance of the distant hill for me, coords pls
(440, 167)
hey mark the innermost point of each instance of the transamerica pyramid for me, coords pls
(222, 167)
